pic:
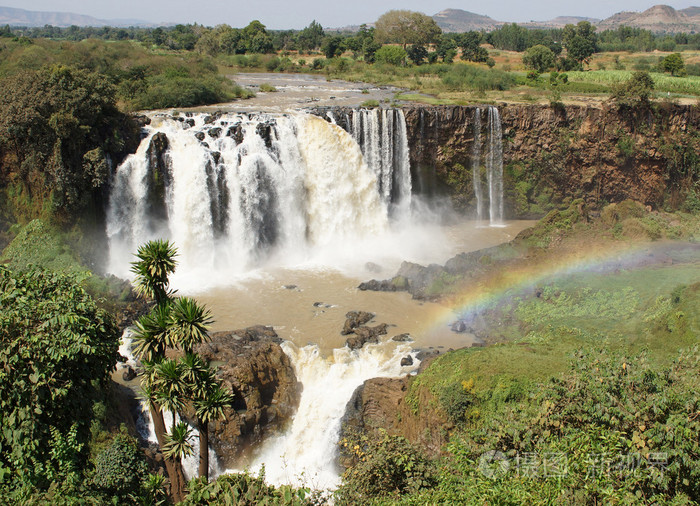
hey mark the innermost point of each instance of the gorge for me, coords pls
(280, 204)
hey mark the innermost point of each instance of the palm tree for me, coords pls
(170, 389)
(177, 446)
(156, 261)
(208, 408)
(150, 333)
(189, 324)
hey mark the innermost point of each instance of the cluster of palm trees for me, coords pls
(176, 385)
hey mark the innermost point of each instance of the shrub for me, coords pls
(120, 468)
(393, 55)
(57, 351)
(385, 466)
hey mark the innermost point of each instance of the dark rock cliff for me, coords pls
(555, 154)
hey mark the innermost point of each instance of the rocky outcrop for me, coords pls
(354, 319)
(254, 367)
(381, 403)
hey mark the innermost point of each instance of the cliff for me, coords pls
(552, 155)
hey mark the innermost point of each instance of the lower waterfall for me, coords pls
(305, 454)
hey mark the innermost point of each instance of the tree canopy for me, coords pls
(406, 27)
(56, 353)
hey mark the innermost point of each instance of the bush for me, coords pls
(393, 55)
(242, 489)
(385, 466)
(56, 353)
(120, 468)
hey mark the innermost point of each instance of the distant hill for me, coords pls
(21, 17)
(658, 19)
(457, 20)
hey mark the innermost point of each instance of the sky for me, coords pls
(295, 14)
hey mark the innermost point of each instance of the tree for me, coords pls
(417, 54)
(446, 46)
(393, 55)
(471, 50)
(332, 46)
(580, 41)
(310, 37)
(255, 38)
(674, 64)
(406, 27)
(637, 90)
(170, 384)
(539, 58)
(57, 349)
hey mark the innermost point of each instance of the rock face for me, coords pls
(604, 154)
(381, 403)
(252, 365)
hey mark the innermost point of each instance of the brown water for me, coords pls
(308, 305)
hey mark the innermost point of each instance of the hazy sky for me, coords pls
(279, 14)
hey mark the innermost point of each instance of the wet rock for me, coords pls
(364, 335)
(236, 132)
(395, 284)
(402, 338)
(290, 287)
(264, 130)
(459, 327)
(256, 369)
(188, 123)
(199, 136)
(129, 373)
(354, 319)
(406, 361)
(216, 156)
(214, 133)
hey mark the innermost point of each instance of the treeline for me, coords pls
(255, 38)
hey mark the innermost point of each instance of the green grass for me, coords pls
(665, 83)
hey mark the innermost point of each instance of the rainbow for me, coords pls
(524, 275)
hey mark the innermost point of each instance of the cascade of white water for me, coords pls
(494, 167)
(305, 454)
(476, 165)
(239, 190)
(384, 143)
(402, 171)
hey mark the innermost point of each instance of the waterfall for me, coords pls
(234, 191)
(382, 136)
(476, 165)
(305, 454)
(490, 156)
(494, 167)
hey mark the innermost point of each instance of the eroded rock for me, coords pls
(256, 369)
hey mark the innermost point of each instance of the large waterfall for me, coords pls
(236, 190)
(490, 157)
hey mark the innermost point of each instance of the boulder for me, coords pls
(129, 373)
(255, 368)
(364, 335)
(402, 338)
(354, 319)
(406, 361)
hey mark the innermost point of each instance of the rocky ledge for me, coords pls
(252, 364)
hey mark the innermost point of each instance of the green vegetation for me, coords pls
(58, 349)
